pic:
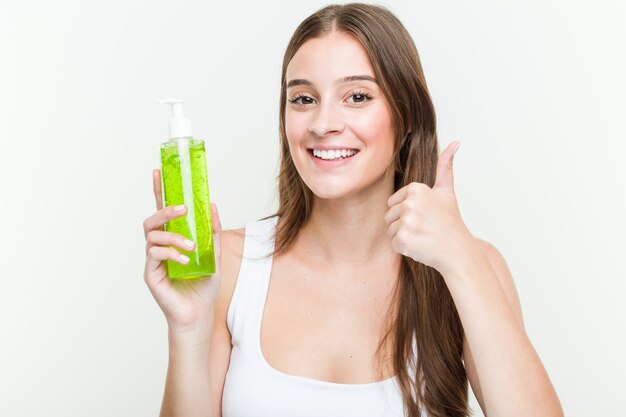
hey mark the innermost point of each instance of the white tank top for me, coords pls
(253, 388)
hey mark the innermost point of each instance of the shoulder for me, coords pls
(501, 269)
(491, 252)
(232, 241)
(484, 245)
(232, 252)
(503, 272)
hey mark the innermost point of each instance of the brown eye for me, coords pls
(360, 97)
(297, 100)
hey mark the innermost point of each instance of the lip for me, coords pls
(330, 163)
(330, 148)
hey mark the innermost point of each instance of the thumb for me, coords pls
(445, 178)
(217, 234)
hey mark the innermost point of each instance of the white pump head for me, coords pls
(180, 127)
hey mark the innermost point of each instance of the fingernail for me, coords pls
(188, 243)
(184, 258)
(456, 148)
(179, 208)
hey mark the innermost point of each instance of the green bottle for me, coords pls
(184, 181)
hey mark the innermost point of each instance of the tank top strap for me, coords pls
(248, 299)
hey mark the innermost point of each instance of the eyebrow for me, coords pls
(349, 78)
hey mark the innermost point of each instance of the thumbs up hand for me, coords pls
(425, 223)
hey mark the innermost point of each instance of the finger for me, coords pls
(217, 231)
(156, 186)
(156, 277)
(161, 238)
(158, 254)
(393, 214)
(393, 229)
(158, 219)
(397, 197)
(445, 180)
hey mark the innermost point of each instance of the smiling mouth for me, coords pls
(333, 155)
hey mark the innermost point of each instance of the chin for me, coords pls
(323, 192)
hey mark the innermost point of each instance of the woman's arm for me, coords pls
(513, 381)
(199, 359)
(188, 382)
(503, 273)
(425, 224)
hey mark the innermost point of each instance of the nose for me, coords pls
(326, 120)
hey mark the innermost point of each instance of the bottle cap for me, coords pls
(180, 126)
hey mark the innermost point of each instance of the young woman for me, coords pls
(365, 294)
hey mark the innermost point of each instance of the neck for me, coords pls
(350, 231)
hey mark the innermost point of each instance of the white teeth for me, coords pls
(333, 154)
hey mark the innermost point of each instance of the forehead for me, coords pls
(328, 58)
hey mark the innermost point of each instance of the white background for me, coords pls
(533, 90)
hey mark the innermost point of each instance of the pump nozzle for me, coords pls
(180, 126)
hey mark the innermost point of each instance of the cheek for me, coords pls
(376, 130)
(295, 135)
(295, 126)
(381, 120)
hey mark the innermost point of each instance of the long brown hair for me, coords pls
(422, 310)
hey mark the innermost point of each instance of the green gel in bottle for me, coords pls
(185, 181)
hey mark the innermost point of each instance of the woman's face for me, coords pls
(324, 111)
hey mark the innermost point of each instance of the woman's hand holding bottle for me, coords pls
(187, 304)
